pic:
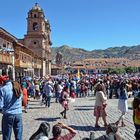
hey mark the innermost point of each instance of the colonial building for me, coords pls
(38, 37)
(16, 59)
(7, 52)
(98, 65)
(27, 63)
(29, 56)
(58, 67)
(55, 69)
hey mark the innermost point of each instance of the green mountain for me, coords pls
(73, 54)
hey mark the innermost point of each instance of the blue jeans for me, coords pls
(48, 100)
(10, 121)
(57, 95)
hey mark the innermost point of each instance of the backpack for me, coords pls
(17, 89)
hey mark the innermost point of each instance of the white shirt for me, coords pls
(60, 88)
(100, 98)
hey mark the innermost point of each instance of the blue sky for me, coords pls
(87, 24)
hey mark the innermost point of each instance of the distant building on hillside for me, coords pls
(99, 65)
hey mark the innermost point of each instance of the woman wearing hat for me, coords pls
(100, 104)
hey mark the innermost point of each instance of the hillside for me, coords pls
(74, 54)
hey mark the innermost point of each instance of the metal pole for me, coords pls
(13, 63)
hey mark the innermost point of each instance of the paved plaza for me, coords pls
(80, 117)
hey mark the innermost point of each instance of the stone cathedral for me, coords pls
(38, 37)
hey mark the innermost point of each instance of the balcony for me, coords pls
(5, 58)
(37, 66)
(20, 63)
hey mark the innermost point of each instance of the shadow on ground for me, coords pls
(37, 107)
(87, 128)
(48, 119)
(83, 109)
(84, 106)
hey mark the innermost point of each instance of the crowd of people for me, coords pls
(14, 95)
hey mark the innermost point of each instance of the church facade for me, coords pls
(30, 56)
(38, 37)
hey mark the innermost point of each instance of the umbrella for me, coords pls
(27, 78)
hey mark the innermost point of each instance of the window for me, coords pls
(34, 15)
(35, 43)
(35, 26)
(16, 56)
(4, 45)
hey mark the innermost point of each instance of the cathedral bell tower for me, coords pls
(38, 37)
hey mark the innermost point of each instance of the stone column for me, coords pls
(43, 68)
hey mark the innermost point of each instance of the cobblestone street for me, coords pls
(80, 117)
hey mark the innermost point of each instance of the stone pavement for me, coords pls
(80, 117)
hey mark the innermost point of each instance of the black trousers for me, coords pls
(137, 132)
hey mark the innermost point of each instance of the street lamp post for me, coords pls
(13, 65)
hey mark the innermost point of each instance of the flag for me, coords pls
(78, 73)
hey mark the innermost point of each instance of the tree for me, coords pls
(131, 69)
(116, 70)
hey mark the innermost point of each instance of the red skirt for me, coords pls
(99, 111)
(65, 104)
